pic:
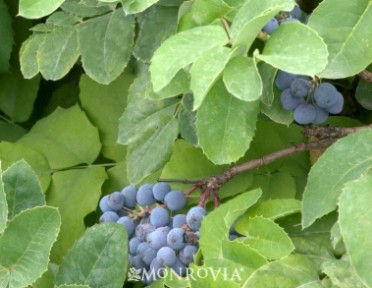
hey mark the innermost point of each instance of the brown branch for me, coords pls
(366, 75)
(323, 132)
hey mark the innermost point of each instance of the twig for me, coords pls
(227, 27)
(366, 75)
(324, 132)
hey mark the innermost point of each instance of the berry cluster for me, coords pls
(310, 105)
(156, 239)
(275, 22)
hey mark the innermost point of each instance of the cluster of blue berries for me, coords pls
(157, 239)
(311, 105)
(274, 23)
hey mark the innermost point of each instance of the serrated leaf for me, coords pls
(268, 238)
(22, 188)
(341, 273)
(205, 11)
(13, 152)
(34, 9)
(205, 72)
(271, 209)
(355, 223)
(136, 6)
(157, 24)
(98, 259)
(295, 48)
(181, 50)
(6, 36)
(75, 193)
(251, 17)
(106, 45)
(327, 177)
(344, 27)
(3, 208)
(73, 138)
(58, 52)
(242, 80)
(109, 100)
(267, 74)
(294, 271)
(215, 227)
(26, 243)
(17, 95)
(225, 125)
(28, 55)
(153, 150)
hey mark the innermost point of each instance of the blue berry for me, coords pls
(338, 106)
(166, 256)
(175, 200)
(115, 201)
(300, 87)
(103, 205)
(133, 244)
(326, 95)
(321, 115)
(283, 79)
(148, 255)
(144, 195)
(304, 113)
(179, 220)
(187, 254)
(128, 224)
(271, 26)
(176, 239)
(156, 239)
(289, 102)
(130, 194)
(109, 216)
(195, 216)
(142, 230)
(159, 217)
(160, 190)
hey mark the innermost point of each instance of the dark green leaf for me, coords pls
(106, 45)
(10, 132)
(22, 188)
(327, 176)
(26, 243)
(363, 94)
(6, 36)
(17, 95)
(225, 125)
(156, 25)
(98, 259)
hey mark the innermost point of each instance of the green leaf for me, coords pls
(271, 209)
(34, 9)
(206, 70)
(69, 132)
(13, 152)
(62, 18)
(117, 178)
(26, 243)
(136, 6)
(22, 188)
(187, 126)
(363, 94)
(225, 125)
(153, 150)
(181, 50)
(341, 273)
(78, 8)
(242, 79)
(355, 223)
(17, 95)
(75, 193)
(4, 276)
(98, 259)
(344, 27)
(205, 11)
(267, 238)
(267, 74)
(72, 286)
(109, 100)
(215, 227)
(6, 36)
(252, 16)
(276, 112)
(106, 54)
(327, 176)
(293, 271)
(156, 25)
(28, 55)
(58, 52)
(48, 278)
(295, 48)
(3, 208)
